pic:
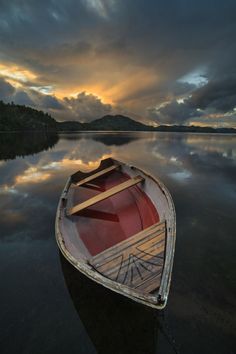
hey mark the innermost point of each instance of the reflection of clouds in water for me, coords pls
(181, 156)
(32, 175)
(177, 155)
(175, 161)
(157, 153)
(5, 189)
(24, 208)
(224, 145)
(12, 203)
(78, 154)
(88, 150)
(85, 155)
(183, 151)
(32, 185)
(180, 176)
(54, 165)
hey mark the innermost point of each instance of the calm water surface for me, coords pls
(48, 307)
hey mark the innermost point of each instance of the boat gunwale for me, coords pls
(158, 300)
(163, 290)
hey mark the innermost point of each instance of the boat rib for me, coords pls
(96, 175)
(112, 191)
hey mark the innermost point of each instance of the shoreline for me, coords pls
(112, 131)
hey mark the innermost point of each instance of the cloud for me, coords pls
(218, 94)
(130, 53)
(216, 120)
(21, 97)
(84, 107)
(46, 102)
(209, 104)
(52, 102)
(87, 107)
(173, 113)
(6, 89)
(28, 97)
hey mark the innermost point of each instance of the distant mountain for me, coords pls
(194, 129)
(106, 123)
(123, 123)
(21, 118)
(70, 126)
(116, 123)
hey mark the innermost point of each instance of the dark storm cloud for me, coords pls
(46, 101)
(131, 52)
(51, 102)
(21, 97)
(182, 29)
(180, 88)
(218, 94)
(6, 90)
(173, 113)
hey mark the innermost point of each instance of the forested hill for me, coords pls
(117, 122)
(21, 118)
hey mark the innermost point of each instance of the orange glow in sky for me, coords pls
(16, 74)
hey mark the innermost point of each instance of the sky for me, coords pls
(160, 62)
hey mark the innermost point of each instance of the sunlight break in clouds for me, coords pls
(16, 74)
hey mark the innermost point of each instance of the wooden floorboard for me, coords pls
(150, 284)
(136, 262)
(113, 266)
(139, 238)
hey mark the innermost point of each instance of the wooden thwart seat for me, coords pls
(137, 261)
(96, 175)
(112, 191)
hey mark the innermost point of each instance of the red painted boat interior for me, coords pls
(114, 219)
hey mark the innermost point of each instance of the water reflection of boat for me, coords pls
(116, 225)
(115, 324)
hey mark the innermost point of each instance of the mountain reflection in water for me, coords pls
(43, 311)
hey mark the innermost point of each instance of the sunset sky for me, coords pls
(160, 62)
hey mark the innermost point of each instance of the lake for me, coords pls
(48, 307)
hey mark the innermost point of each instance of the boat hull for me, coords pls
(86, 264)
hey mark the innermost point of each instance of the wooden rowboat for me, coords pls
(116, 225)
